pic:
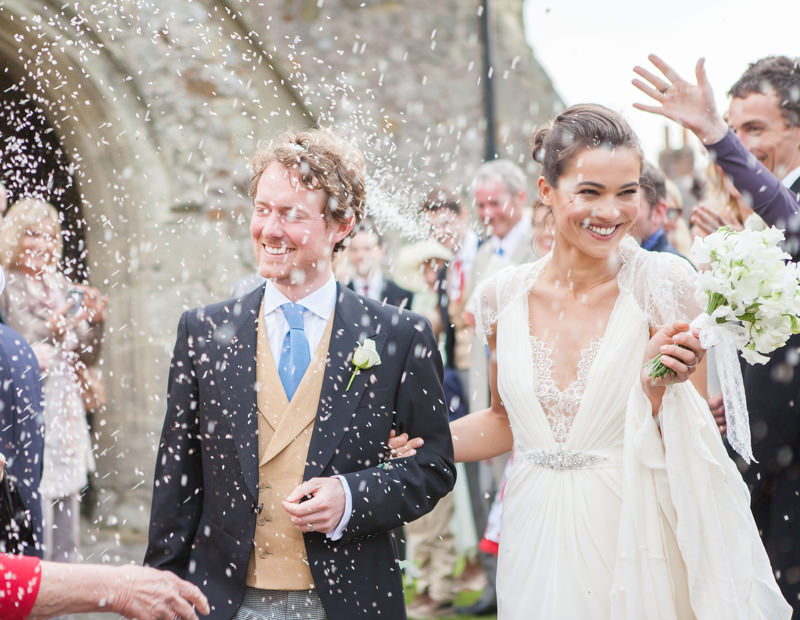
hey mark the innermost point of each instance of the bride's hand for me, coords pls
(680, 352)
(400, 446)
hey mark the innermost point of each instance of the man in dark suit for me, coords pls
(22, 425)
(273, 488)
(366, 256)
(759, 150)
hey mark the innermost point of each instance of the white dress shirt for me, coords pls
(509, 243)
(371, 287)
(319, 308)
(790, 178)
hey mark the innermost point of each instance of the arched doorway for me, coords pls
(33, 163)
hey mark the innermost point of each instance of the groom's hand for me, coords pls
(317, 505)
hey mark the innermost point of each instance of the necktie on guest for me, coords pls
(295, 354)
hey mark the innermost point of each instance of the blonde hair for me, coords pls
(21, 217)
(322, 160)
(718, 198)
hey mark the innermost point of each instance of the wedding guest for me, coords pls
(431, 536)
(63, 323)
(759, 149)
(3, 207)
(450, 225)
(365, 252)
(648, 227)
(542, 228)
(722, 204)
(622, 501)
(21, 431)
(678, 233)
(499, 187)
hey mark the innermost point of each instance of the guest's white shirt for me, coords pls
(371, 287)
(509, 243)
(790, 178)
(467, 252)
(319, 307)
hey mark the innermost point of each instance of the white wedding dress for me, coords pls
(609, 513)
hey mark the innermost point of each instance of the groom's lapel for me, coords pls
(236, 366)
(352, 323)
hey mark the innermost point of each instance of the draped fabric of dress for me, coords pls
(610, 513)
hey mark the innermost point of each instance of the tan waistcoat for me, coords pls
(278, 560)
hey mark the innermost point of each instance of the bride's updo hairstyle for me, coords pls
(580, 127)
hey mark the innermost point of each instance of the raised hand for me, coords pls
(691, 105)
(706, 221)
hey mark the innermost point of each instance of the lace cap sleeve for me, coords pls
(494, 293)
(665, 286)
(484, 306)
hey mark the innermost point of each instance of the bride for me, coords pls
(622, 502)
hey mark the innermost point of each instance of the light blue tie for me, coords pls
(295, 354)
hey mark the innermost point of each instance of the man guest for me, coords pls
(273, 488)
(366, 257)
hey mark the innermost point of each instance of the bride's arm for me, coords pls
(486, 433)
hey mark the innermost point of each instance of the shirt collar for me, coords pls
(374, 282)
(790, 178)
(510, 242)
(652, 240)
(321, 301)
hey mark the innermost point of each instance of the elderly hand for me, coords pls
(149, 594)
(324, 508)
(691, 105)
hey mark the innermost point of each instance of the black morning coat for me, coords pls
(204, 499)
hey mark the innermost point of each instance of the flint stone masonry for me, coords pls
(159, 104)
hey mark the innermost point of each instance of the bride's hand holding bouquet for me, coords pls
(752, 296)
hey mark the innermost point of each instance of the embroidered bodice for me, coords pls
(560, 406)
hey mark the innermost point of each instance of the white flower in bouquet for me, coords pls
(747, 284)
(752, 297)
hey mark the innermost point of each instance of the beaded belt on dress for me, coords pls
(561, 458)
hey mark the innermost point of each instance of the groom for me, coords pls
(273, 489)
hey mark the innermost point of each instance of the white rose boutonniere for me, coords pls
(364, 357)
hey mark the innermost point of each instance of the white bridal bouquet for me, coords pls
(752, 296)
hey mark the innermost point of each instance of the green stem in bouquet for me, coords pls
(655, 368)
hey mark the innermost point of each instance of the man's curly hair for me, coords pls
(778, 73)
(322, 160)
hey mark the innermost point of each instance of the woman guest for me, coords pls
(63, 323)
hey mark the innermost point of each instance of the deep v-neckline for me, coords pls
(557, 429)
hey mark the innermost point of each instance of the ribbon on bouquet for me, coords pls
(726, 338)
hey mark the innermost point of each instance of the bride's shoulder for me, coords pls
(663, 284)
(646, 267)
(498, 291)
